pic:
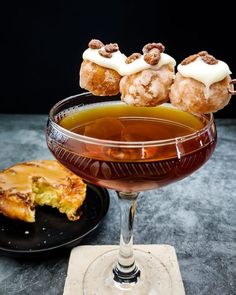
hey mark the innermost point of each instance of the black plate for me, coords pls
(52, 231)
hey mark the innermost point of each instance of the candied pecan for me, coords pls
(189, 59)
(112, 47)
(152, 57)
(202, 53)
(104, 53)
(148, 47)
(132, 58)
(209, 59)
(95, 44)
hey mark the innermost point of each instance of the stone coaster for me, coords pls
(82, 256)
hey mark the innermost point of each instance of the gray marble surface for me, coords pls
(197, 216)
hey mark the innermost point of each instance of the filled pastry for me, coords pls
(202, 84)
(96, 73)
(142, 80)
(41, 182)
(148, 78)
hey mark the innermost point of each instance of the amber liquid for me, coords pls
(135, 168)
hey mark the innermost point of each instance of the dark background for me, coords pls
(43, 43)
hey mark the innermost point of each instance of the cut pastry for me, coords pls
(42, 182)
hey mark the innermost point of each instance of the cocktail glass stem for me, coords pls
(126, 272)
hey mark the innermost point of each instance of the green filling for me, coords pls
(45, 195)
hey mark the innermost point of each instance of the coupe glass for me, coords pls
(126, 271)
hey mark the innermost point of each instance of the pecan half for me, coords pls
(132, 57)
(152, 57)
(112, 47)
(209, 59)
(202, 53)
(189, 59)
(95, 44)
(104, 53)
(148, 47)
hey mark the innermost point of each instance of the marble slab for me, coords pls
(82, 256)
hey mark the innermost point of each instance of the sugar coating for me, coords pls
(147, 88)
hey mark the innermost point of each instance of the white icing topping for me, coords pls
(203, 72)
(117, 62)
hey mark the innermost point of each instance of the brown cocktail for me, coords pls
(130, 150)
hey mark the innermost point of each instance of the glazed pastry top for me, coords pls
(118, 62)
(202, 71)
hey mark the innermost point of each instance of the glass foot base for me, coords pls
(154, 278)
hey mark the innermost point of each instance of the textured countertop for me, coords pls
(196, 215)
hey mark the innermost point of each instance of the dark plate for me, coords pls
(52, 231)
